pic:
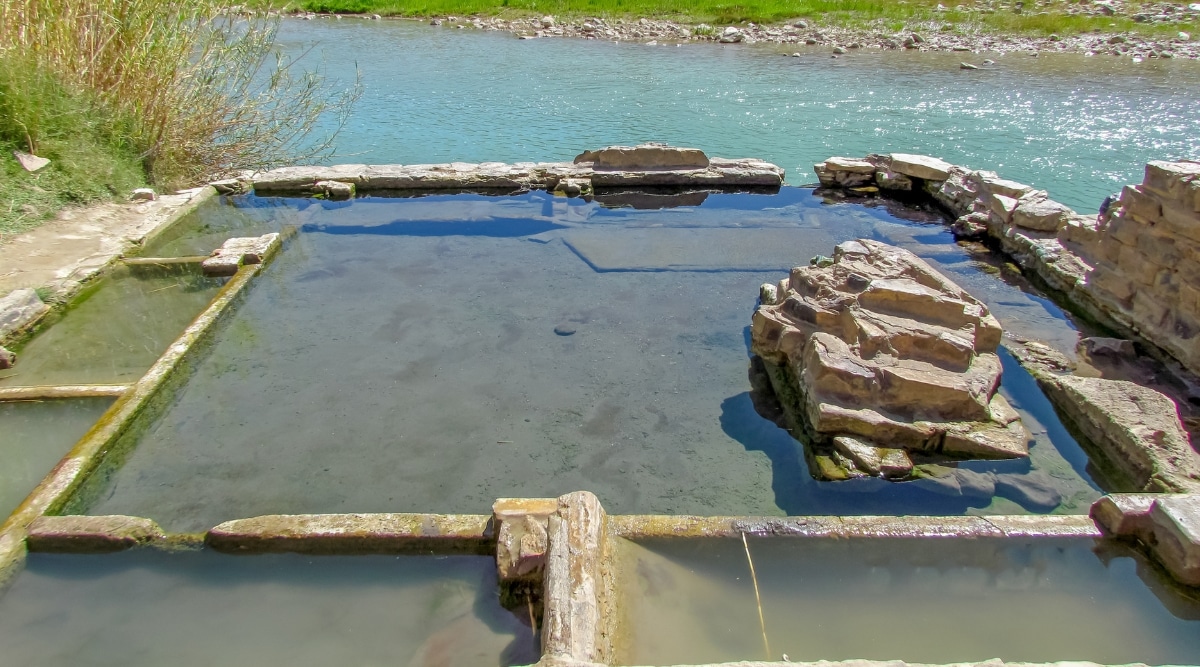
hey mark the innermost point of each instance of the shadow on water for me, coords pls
(797, 493)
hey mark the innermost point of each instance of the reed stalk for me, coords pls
(762, 623)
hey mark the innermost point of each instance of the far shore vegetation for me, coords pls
(1031, 18)
(123, 93)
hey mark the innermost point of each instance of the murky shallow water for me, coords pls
(116, 330)
(146, 608)
(1078, 127)
(930, 601)
(402, 355)
(34, 435)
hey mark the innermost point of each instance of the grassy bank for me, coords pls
(119, 93)
(1035, 18)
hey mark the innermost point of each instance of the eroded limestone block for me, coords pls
(91, 534)
(19, 309)
(876, 351)
(1124, 514)
(238, 252)
(335, 189)
(521, 537)
(921, 166)
(1040, 214)
(1175, 522)
(643, 157)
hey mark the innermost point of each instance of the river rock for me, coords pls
(879, 347)
(1034, 490)
(19, 309)
(1135, 428)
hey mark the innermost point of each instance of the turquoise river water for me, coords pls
(1076, 126)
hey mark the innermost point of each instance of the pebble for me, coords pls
(565, 329)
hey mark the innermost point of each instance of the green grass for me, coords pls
(849, 13)
(90, 157)
(117, 93)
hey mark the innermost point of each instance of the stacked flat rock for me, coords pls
(879, 358)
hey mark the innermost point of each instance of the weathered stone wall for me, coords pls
(1135, 268)
(1145, 256)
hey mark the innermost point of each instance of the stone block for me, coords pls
(1137, 266)
(1149, 311)
(890, 180)
(238, 252)
(575, 625)
(1111, 282)
(7, 359)
(1176, 527)
(521, 537)
(1136, 428)
(1181, 221)
(1045, 215)
(875, 461)
(18, 310)
(334, 189)
(91, 534)
(1000, 186)
(1160, 248)
(920, 166)
(1124, 514)
(1124, 230)
(1171, 179)
(1003, 206)
(647, 156)
(852, 165)
(1135, 201)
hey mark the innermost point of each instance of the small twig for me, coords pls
(504, 442)
(753, 577)
(532, 618)
(163, 288)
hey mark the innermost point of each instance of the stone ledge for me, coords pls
(91, 534)
(640, 166)
(650, 526)
(1167, 525)
(355, 534)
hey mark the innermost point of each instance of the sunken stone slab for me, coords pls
(354, 534)
(92, 534)
(1135, 427)
(19, 309)
(878, 347)
(238, 252)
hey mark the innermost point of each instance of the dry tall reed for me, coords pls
(192, 84)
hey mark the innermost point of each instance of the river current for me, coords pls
(1079, 127)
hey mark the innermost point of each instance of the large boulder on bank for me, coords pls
(877, 349)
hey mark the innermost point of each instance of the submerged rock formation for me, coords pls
(879, 358)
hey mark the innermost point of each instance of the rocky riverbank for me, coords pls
(957, 34)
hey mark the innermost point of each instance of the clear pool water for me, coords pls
(1076, 126)
(432, 354)
(146, 608)
(115, 331)
(930, 601)
(34, 435)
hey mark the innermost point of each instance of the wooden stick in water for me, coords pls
(757, 598)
